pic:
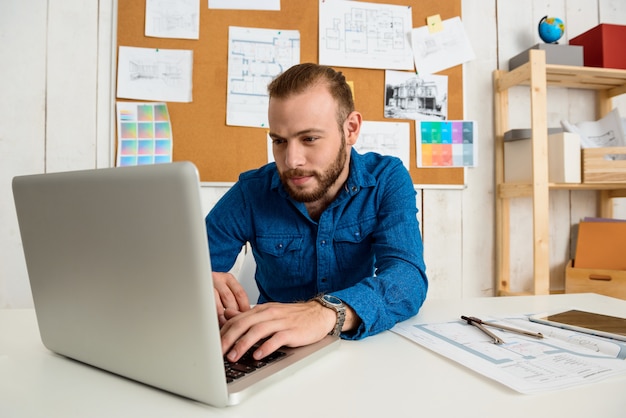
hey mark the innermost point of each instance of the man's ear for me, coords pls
(352, 126)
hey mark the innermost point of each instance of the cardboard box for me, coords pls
(563, 155)
(555, 54)
(604, 282)
(603, 46)
(601, 245)
(604, 165)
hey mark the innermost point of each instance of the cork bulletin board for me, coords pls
(221, 152)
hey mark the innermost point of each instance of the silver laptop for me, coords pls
(119, 269)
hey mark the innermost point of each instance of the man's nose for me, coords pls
(294, 155)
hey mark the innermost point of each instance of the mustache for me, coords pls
(296, 172)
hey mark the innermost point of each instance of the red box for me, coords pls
(603, 46)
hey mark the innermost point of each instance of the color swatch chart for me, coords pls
(446, 143)
(144, 134)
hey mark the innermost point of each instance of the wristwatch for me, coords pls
(334, 303)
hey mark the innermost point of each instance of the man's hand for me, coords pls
(286, 324)
(229, 294)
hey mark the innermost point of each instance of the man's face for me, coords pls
(309, 148)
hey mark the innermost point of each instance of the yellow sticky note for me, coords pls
(434, 23)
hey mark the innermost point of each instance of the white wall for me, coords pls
(56, 106)
(23, 29)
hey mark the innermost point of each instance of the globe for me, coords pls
(551, 29)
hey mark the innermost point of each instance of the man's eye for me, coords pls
(278, 141)
(309, 139)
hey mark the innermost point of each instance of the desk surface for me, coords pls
(382, 375)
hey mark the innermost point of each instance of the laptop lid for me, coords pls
(119, 269)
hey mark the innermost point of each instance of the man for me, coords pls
(321, 220)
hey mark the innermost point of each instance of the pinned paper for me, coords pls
(155, 74)
(446, 144)
(144, 134)
(434, 23)
(437, 51)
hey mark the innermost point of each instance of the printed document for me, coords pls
(560, 360)
(365, 35)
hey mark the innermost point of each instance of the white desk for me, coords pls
(384, 375)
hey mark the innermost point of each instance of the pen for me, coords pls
(477, 321)
(494, 337)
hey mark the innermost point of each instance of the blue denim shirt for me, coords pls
(366, 248)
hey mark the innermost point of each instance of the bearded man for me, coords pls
(334, 233)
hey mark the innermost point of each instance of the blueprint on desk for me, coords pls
(560, 360)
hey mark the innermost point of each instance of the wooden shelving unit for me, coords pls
(536, 74)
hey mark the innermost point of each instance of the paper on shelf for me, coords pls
(606, 132)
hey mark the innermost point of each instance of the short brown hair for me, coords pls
(300, 77)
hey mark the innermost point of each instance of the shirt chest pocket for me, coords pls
(281, 253)
(353, 244)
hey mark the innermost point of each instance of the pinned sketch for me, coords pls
(255, 57)
(144, 134)
(418, 97)
(365, 35)
(446, 144)
(436, 51)
(386, 138)
(154, 74)
(245, 4)
(173, 19)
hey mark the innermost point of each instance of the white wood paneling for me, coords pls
(23, 26)
(105, 105)
(72, 87)
(443, 252)
(478, 208)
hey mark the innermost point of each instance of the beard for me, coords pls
(325, 179)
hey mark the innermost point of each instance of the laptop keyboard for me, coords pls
(247, 364)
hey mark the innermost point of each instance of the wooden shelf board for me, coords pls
(589, 78)
(511, 190)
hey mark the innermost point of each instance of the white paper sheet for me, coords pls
(365, 35)
(437, 51)
(245, 4)
(173, 19)
(386, 138)
(255, 57)
(154, 74)
(606, 132)
(560, 360)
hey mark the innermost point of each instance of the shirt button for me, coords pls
(355, 189)
(279, 246)
(323, 242)
(324, 279)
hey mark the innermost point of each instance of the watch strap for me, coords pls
(340, 310)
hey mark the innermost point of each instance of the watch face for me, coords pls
(333, 300)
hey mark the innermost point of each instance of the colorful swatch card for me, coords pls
(446, 143)
(144, 134)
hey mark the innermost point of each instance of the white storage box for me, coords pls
(563, 154)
